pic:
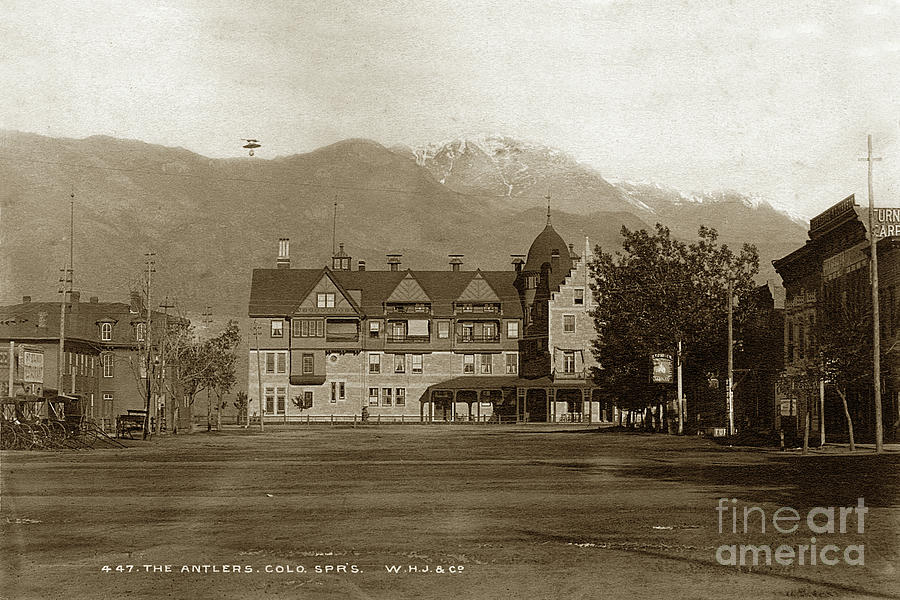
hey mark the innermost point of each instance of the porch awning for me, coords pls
(475, 382)
(417, 327)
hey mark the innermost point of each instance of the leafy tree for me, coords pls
(240, 403)
(221, 374)
(656, 289)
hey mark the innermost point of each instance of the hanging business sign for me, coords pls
(661, 368)
(887, 222)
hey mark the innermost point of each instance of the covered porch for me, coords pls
(512, 399)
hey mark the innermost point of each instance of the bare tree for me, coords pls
(845, 344)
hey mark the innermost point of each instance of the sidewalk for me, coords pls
(844, 448)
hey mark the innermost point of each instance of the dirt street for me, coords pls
(434, 512)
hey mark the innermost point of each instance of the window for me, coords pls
(443, 329)
(512, 364)
(280, 395)
(416, 363)
(487, 364)
(308, 364)
(569, 361)
(140, 331)
(325, 300)
(281, 362)
(374, 329)
(790, 341)
(307, 399)
(569, 323)
(337, 391)
(399, 363)
(374, 363)
(400, 397)
(308, 328)
(386, 396)
(270, 400)
(579, 296)
(106, 331)
(468, 363)
(512, 329)
(277, 328)
(373, 396)
(466, 332)
(490, 332)
(270, 362)
(106, 360)
(398, 329)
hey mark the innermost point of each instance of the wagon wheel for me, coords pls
(24, 436)
(8, 439)
(42, 436)
(58, 434)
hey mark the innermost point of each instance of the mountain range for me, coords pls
(211, 221)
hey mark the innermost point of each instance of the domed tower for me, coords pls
(547, 265)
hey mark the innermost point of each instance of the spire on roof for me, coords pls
(548, 205)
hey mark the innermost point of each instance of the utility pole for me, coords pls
(67, 282)
(729, 390)
(147, 348)
(207, 321)
(680, 402)
(876, 333)
(256, 328)
(167, 408)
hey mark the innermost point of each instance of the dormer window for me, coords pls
(105, 332)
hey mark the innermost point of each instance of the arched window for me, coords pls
(139, 331)
(106, 331)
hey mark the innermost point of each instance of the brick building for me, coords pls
(425, 345)
(103, 359)
(830, 270)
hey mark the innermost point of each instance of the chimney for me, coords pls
(26, 299)
(135, 307)
(393, 261)
(74, 297)
(455, 261)
(284, 254)
(361, 265)
(95, 299)
(554, 259)
(518, 260)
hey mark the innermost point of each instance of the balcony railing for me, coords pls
(478, 339)
(558, 374)
(409, 339)
(409, 308)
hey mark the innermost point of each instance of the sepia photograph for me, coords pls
(380, 299)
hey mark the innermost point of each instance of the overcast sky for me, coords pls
(766, 97)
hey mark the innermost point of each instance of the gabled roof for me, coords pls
(277, 292)
(478, 290)
(408, 290)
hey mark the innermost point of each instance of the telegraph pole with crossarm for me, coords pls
(876, 333)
